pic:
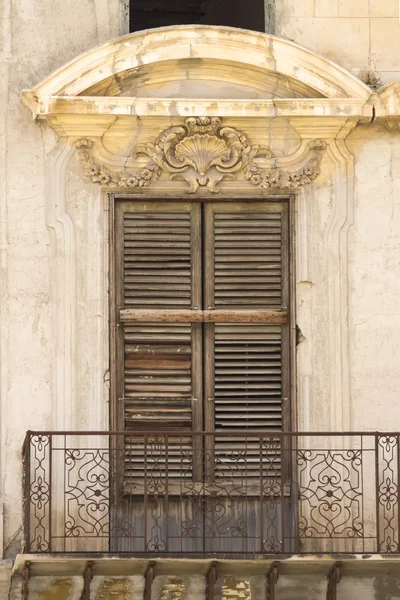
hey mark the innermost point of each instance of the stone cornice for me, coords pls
(125, 56)
(268, 78)
(101, 106)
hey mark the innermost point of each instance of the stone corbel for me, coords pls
(204, 152)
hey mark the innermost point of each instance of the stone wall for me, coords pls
(36, 37)
(45, 233)
(363, 36)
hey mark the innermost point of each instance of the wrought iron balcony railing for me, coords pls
(241, 493)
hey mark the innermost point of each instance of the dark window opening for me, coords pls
(146, 14)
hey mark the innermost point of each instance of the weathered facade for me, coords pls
(200, 320)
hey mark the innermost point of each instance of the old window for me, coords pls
(201, 307)
(145, 14)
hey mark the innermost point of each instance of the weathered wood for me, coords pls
(202, 310)
(203, 316)
(209, 389)
(197, 399)
(157, 240)
(198, 490)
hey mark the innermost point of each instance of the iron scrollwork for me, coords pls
(39, 494)
(175, 495)
(388, 494)
(330, 494)
(86, 492)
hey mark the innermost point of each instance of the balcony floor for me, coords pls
(372, 577)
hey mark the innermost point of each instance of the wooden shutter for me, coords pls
(247, 269)
(157, 258)
(173, 303)
(158, 274)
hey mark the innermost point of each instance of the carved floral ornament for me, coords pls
(203, 152)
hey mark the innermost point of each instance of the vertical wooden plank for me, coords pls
(285, 257)
(196, 256)
(209, 394)
(209, 245)
(285, 332)
(117, 443)
(208, 332)
(292, 425)
(197, 398)
(119, 303)
(113, 315)
(197, 340)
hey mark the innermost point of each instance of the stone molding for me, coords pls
(65, 387)
(313, 75)
(338, 306)
(203, 153)
(65, 289)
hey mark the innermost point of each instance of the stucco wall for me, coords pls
(374, 270)
(39, 227)
(361, 35)
(36, 37)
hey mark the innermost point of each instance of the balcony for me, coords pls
(241, 494)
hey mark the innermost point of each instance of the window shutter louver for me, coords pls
(203, 336)
(157, 259)
(247, 262)
(162, 361)
(247, 269)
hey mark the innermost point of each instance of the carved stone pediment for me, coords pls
(204, 152)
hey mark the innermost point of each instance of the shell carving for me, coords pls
(204, 153)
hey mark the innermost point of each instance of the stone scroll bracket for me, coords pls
(203, 152)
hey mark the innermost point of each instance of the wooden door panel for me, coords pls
(202, 344)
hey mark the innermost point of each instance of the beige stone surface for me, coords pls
(5, 578)
(306, 8)
(389, 8)
(385, 44)
(374, 287)
(360, 35)
(37, 37)
(325, 8)
(350, 49)
(354, 8)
